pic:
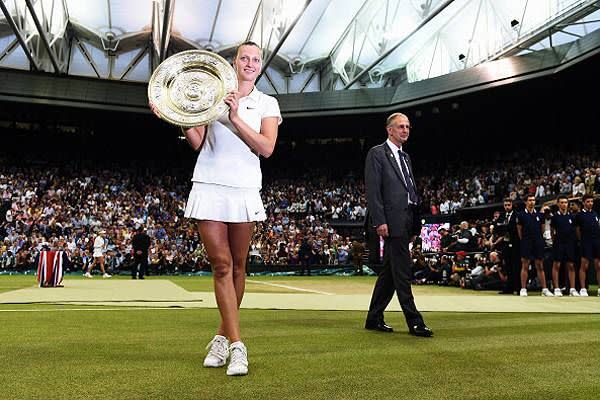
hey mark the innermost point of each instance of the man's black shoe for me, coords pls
(378, 326)
(420, 330)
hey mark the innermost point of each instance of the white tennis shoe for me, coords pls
(218, 352)
(547, 293)
(238, 365)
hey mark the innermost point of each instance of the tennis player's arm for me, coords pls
(262, 142)
(194, 136)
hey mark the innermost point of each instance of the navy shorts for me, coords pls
(532, 249)
(590, 249)
(563, 252)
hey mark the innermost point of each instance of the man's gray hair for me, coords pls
(392, 117)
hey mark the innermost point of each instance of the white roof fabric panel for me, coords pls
(320, 28)
(130, 15)
(475, 28)
(235, 21)
(79, 64)
(141, 72)
(17, 58)
(5, 41)
(193, 19)
(91, 13)
(417, 39)
(20, 6)
(122, 61)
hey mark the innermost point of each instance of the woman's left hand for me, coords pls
(232, 100)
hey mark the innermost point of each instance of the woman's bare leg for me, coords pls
(215, 238)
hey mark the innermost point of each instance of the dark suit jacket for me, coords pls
(387, 193)
(141, 241)
(510, 227)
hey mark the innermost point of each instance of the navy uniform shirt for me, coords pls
(531, 224)
(589, 224)
(564, 226)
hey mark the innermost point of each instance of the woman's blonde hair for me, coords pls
(246, 43)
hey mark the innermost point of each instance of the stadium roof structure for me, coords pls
(326, 48)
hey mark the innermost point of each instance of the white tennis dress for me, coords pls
(227, 177)
(98, 246)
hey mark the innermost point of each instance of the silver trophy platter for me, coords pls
(187, 89)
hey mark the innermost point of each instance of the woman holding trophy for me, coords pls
(225, 198)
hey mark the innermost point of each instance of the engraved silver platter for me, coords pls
(187, 89)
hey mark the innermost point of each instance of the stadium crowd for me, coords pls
(465, 185)
(65, 207)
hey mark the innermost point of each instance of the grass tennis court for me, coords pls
(88, 352)
(336, 284)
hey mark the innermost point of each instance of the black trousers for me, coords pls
(512, 267)
(305, 266)
(395, 277)
(140, 262)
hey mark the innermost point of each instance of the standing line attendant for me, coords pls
(141, 243)
(564, 240)
(392, 203)
(530, 226)
(587, 225)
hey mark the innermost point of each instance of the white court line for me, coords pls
(99, 309)
(289, 287)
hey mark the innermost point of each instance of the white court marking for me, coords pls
(290, 287)
(99, 309)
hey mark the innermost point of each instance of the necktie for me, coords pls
(412, 192)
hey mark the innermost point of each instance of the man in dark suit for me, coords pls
(510, 247)
(392, 203)
(305, 254)
(141, 243)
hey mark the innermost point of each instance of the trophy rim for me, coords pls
(204, 117)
